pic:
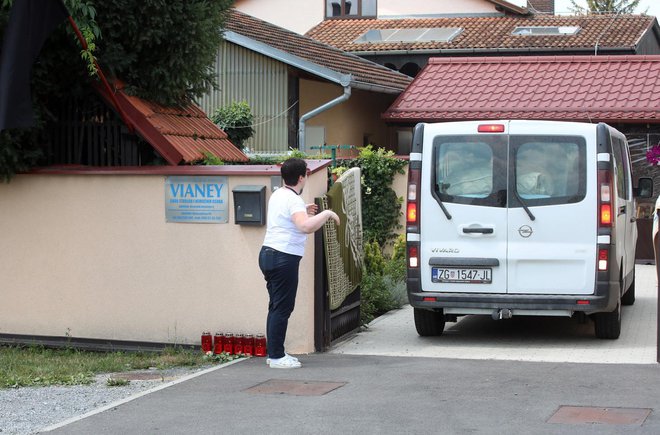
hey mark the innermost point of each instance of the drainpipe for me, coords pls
(301, 124)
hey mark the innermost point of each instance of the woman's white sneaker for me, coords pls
(286, 362)
(285, 354)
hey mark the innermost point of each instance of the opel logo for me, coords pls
(525, 231)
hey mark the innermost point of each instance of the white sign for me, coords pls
(191, 199)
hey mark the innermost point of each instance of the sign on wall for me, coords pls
(202, 200)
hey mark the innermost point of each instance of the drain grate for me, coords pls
(295, 388)
(596, 415)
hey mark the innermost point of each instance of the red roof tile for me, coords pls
(493, 33)
(588, 88)
(177, 133)
(364, 72)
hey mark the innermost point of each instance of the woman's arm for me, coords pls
(308, 224)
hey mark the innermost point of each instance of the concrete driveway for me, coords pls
(544, 339)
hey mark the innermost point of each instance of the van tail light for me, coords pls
(603, 256)
(413, 256)
(412, 207)
(411, 212)
(604, 198)
(605, 214)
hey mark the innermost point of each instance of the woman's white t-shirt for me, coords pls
(281, 233)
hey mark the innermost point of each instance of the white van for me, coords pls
(532, 218)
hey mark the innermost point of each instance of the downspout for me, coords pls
(330, 104)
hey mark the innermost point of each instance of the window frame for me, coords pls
(342, 9)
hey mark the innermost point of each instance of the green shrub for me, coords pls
(381, 208)
(210, 159)
(236, 120)
(383, 285)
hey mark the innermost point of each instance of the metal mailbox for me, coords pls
(249, 205)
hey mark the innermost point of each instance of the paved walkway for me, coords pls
(551, 339)
(484, 377)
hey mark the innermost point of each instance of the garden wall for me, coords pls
(87, 253)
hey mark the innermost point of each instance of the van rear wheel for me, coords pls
(608, 325)
(429, 323)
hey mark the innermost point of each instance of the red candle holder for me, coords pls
(248, 344)
(228, 344)
(260, 345)
(238, 344)
(218, 342)
(207, 342)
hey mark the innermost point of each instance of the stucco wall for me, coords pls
(301, 15)
(435, 7)
(91, 256)
(347, 122)
(297, 16)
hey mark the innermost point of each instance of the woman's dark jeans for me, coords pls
(281, 273)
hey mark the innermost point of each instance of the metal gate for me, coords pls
(330, 325)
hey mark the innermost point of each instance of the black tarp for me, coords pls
(30, 24)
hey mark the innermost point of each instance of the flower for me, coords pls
(653, 154)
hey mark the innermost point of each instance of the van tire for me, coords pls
(608, 325)
(628, 297)
(429, 323)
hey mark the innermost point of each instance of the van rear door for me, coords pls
(464, 220)
(512, 208)
(551, 249)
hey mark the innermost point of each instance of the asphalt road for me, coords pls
(526, 375)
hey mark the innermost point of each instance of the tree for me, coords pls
(605, 6)
(164, 50)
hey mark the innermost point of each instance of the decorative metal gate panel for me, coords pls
(339, 261)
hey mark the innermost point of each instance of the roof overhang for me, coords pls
(288, 58)
(315, 69)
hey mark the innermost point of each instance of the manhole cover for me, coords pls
(295, 388)
(596, 415)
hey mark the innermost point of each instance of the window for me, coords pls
(350, 8)
(621, 159)
(496, 170)
(470, 170)
(549, 170)
(545, 30)
(434, 34)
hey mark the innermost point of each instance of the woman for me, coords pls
(289, 220)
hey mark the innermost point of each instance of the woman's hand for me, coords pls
(334, 216)
(312, 209)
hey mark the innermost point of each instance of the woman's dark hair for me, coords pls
(292, 169)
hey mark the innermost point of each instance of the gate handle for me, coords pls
(478, 230)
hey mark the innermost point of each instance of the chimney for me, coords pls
(539, 7)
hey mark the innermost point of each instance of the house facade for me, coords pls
(304, 94)
(301, 15)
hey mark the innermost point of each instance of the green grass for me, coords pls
(38, 366)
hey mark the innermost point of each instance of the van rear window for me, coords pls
(484, 170)
(470, 169)
(548, 169)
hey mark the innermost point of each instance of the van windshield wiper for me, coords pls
(529, 212)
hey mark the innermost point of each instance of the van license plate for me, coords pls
(453, 274)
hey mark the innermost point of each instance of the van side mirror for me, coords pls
(644, 188)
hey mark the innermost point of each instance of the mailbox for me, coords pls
(249, 205)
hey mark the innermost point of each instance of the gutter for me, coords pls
(330, 104)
